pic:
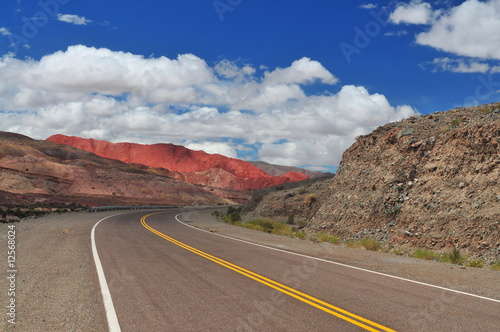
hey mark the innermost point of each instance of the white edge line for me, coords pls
(113, 324)
(344, 265)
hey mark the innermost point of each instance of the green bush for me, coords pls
(476, 263)
(424, 254)
(495, 266)
(232, 215)
(453, 256)
(370, 243)
(300, 235)
(351, 243)
(269, 226)
(324, 237)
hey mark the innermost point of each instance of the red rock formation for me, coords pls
(196, 167)
(34, 171)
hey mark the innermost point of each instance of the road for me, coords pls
(165, 276)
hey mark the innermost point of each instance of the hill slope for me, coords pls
(431, 181)
(34, 171)
(196, 167)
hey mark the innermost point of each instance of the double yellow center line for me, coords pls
(324, 306)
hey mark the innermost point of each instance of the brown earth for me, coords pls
(431, 181)
(40, 171)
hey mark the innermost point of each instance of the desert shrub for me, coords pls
(495, 266)
(324, 237)
(424, 254)
(281, 229)
(302, 223)
(302, 191)
(232, 215)
(311, 198)
(291, 219)
(300, 235)
(398, 251)
(453, 256)
(351, 243)
(476, 263)
(456, 122)
(370, 243)
(269, 226)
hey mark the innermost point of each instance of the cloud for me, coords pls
(221, 148)
(396, 33)
(300, 72)
(119, 96)
(73, 19)
(368, 6)
(460, 66)
(4, 31)
(470, 29)
(415, 12)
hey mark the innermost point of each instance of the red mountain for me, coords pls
(195, 167)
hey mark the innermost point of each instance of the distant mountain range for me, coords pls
(92, 172)
(197, 167)
(34, 171)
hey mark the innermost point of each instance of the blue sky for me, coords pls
(290, 82)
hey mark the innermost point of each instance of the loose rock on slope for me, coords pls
(431, 181)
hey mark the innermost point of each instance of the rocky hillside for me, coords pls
(278, 170)
(431, 181)
(297, 201)
(40, 171)
(197, 167)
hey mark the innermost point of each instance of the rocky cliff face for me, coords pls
(431, 181)
(195, 167)
(40, 171)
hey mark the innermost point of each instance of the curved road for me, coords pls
(166, 276)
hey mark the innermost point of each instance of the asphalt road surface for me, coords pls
(166, 276)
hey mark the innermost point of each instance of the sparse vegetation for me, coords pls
(300, 235)
(367, 243)
(370, 243)
(324, 237)
(233, 215)
(476, 263)
(311, 198)
(426, 254)
(456, 122)
(495, 266)
(14, 213)
(302, 191)
(453, 256)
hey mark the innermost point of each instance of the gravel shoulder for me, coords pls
(57, 287)
(482, 282)
(56, 284)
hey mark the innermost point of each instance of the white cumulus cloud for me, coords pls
(470, 29)
(221, 148)
(73, 19)
(460, 66)
(415, 12)
(119, 96)
(4, 31)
